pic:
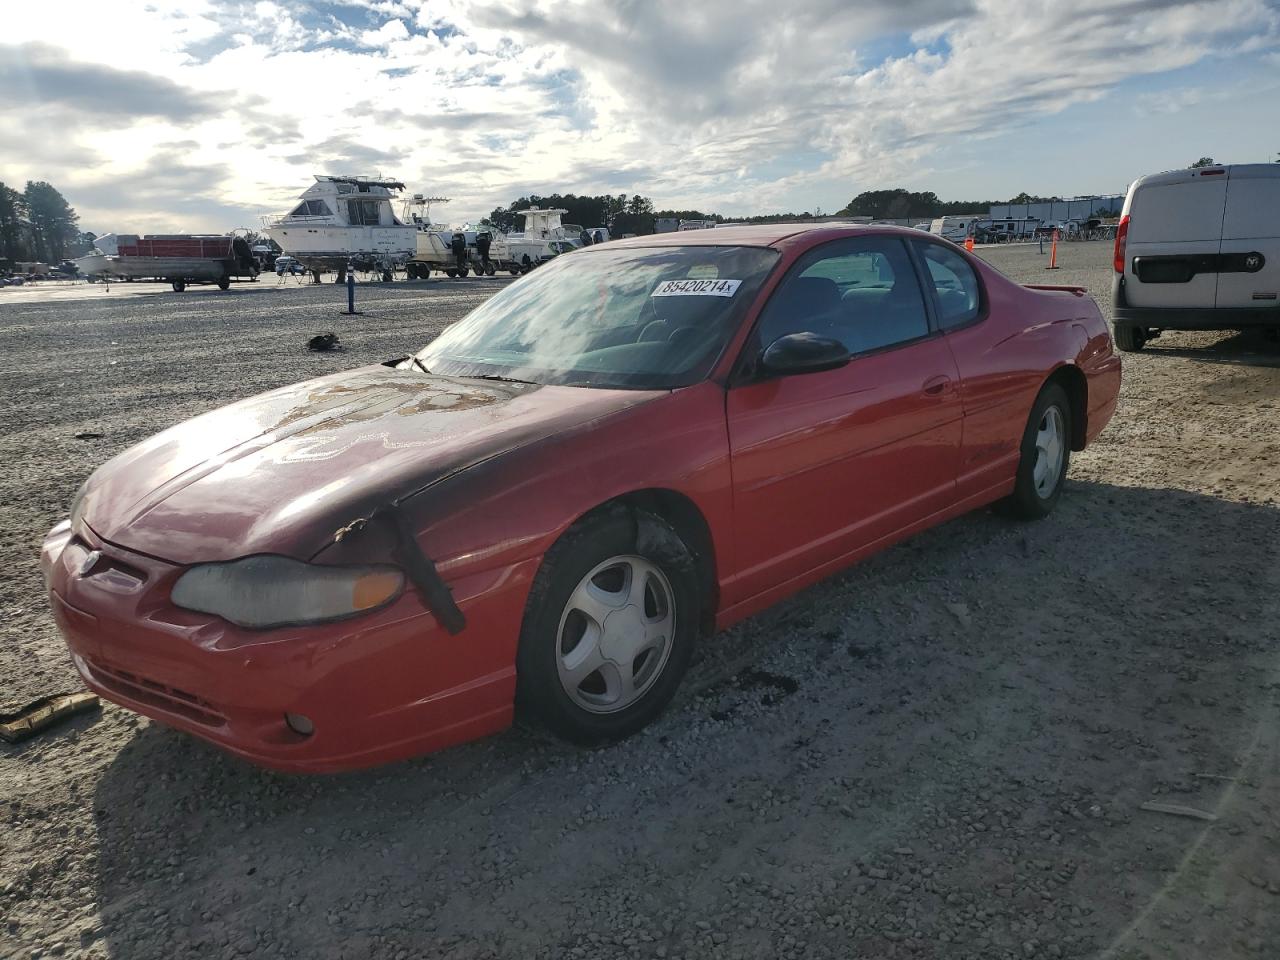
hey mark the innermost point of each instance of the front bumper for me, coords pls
(378, 688)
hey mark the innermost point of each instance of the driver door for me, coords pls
(827, 463)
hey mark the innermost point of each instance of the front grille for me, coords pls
(161, 695)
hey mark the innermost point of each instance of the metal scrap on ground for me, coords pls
(1178, 810)
(43, 713)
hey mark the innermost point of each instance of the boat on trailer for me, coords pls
(343, 220)
(180, 258)
(544, 237)
(435, 244)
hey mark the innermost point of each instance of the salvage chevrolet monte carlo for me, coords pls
(639, 443)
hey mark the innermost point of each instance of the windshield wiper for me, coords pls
(421, 366)
(490, 376)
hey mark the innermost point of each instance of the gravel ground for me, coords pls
(940, 753)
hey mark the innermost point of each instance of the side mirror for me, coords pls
(803, 353)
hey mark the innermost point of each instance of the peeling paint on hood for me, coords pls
(281, 471)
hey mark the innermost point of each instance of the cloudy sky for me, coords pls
(204, 115)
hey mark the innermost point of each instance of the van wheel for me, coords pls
(609, 627)
(1129, 338)
(1046, 455)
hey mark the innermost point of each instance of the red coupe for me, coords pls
(637, 444)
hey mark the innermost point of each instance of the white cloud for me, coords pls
(386, 34)
(733, 105)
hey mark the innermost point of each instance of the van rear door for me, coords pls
(1249, 265)
(1175, 232)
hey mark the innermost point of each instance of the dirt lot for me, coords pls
(941, 753)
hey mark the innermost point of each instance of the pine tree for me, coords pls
(13, 223)
(53, 223)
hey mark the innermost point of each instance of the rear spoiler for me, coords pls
(1074, 291)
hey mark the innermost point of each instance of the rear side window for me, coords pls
(959, 297)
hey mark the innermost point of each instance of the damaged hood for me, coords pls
(278, 473)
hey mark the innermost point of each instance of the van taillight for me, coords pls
(1122, 234)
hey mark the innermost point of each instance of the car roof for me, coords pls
(759, 235)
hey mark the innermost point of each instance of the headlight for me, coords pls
(269, 591)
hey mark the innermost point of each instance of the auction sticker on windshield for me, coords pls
(697, 288)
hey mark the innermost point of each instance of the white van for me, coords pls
(1198, 250)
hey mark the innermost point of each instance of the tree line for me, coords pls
(636, 214)
(620, 213)
(900, 204)
(37, 224)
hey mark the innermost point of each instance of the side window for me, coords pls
(861, 291)
(959, 299)
(363, 212)
(312, 208)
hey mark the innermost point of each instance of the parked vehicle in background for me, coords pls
(697, 224)
(954, 228)
(923, 225)
(287, 264)
(181, 259)
(1198, 249)
(636, 445)
(1006, 231)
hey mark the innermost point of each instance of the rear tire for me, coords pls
(1129, 338)
(224, 283)
(178, 286)
(632, 572)
(1046, 456)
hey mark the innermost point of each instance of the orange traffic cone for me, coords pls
(1053, 252)
(968, 243)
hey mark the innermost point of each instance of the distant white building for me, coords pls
(1056, 211)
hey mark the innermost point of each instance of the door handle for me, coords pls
(935, 386)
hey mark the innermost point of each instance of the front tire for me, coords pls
(1129, 338)
(609, 627)
(1046, 455)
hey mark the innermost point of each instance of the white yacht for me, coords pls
(341, 220)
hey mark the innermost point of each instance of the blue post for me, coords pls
(351, 292)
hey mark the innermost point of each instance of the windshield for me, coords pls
(643, 318)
